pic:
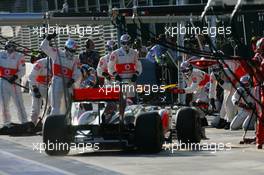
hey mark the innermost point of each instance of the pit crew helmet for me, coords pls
(186, 68)
(246, 81)
(10, 46)
(125, 41)
(111, 46)
(260, 45)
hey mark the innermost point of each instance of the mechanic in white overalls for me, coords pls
(102, 69)
(12, 69)
(39, 80)
(245, 117)
(224, 78)
(195, 81)
(65, 64)
(124, 64)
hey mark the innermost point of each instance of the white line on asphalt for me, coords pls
(33, 162)
(3, 173)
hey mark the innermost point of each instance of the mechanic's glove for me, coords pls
(50, 36)
(106, 75)
(219, 80)
(134, 78)
(117, 77)
(212, 103)
(12, 79)
(36, 92)
(249, 106)
(242, 105)
(70, 83)
(177, 91)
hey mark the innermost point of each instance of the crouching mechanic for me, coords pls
(124, 64)
(39, 80)
(102, 69)
(224, 78)
(12, 68)
(195, 81)
(242, 98)
(65, 72)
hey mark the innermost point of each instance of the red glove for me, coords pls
(178, 91)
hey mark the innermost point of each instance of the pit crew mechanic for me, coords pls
(65, 67)
(124, 63)
(102, 69)
(257, 71)
(39, 80)
(195, 81)
(245, 117)
(224, 78)
(12, 68)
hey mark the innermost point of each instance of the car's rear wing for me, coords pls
(96, 94)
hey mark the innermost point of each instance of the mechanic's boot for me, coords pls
(38, 127)
(248, 141)
(4, 130)
(259, 146)
(227, 126)
(221, 124)
(203, 136)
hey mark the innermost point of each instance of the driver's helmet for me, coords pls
(86, 118)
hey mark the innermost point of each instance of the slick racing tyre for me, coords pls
(56, 136)
(188, 125)
(149, 133)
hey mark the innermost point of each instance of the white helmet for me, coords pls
(216, 68)
(110, 46)
(260, 45)
(246, 81)
(186, 68)
(71, 45)
(10, 46)
(125, 41)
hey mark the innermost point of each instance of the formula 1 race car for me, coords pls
(108, 121)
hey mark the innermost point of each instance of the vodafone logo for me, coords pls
(7, 72)
(127, 67)
(64, 71)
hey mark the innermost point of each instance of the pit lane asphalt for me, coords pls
(18, 155)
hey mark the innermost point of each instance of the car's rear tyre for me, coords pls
(56, 135)
(149, 133)
(188, 125)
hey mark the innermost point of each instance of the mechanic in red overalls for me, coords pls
(259, 90)
(257, 71)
